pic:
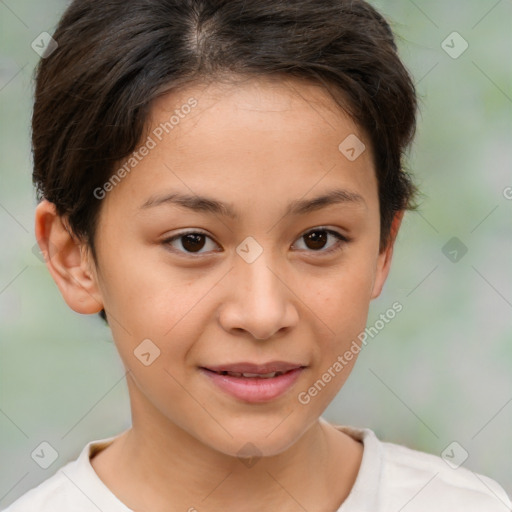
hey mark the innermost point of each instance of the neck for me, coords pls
(156, 466)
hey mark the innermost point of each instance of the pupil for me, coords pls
(318, 240)
(192, 242)
(195, 242)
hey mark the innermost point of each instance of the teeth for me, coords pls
(260, 375)
(252, 375)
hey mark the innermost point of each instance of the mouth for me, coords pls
(254, 383)
(251, 370)
(248, 375)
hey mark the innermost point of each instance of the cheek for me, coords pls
(342, 303)
(344, 295)
(168, 306)
(144, 295)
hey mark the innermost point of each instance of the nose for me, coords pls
(259, 301)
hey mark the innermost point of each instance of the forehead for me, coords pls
(268, 100)
(268, 139)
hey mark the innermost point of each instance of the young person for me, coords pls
(223, 181)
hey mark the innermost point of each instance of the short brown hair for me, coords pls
(93, 93)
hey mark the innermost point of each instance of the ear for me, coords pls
(67, 260)
(384, 258)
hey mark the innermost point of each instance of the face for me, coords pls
(258, 277)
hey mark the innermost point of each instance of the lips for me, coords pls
(252, 375)
(251, 382)
(251, 370)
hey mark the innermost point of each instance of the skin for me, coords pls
(258, 145)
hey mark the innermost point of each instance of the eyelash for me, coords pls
(341, 241)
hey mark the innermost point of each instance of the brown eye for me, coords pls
(317, 239)
(190, 242)
(193, 242)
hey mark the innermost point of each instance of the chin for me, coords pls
(250, 438)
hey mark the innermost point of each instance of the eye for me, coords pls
(316, 239)
(191, 241)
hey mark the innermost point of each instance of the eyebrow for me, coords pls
(297, 207)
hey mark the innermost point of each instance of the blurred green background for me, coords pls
(439, 372)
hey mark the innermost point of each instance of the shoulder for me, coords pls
(428, 481)
(395, 477)
(54, 494)
(74, 487)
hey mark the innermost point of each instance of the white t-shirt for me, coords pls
(391, 478)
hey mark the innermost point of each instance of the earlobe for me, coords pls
(66, 260)
(385, 257)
